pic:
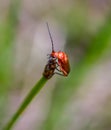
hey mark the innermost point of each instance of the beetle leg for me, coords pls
(58, 73)
(57, 65)
(58, 69)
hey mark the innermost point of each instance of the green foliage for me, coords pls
(8, 27)
(7, 34)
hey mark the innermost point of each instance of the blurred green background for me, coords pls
(80, 28)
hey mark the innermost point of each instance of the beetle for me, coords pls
(63, 62)
(62, 57)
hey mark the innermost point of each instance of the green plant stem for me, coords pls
(26, 101)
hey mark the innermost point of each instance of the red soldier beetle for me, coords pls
(63, 61)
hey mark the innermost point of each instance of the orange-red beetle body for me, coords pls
(63, 61)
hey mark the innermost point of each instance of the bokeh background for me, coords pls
(81, 28)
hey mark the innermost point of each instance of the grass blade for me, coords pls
(26, 102)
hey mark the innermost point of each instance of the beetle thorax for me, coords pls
(59, 55)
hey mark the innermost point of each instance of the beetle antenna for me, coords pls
(50, 37)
